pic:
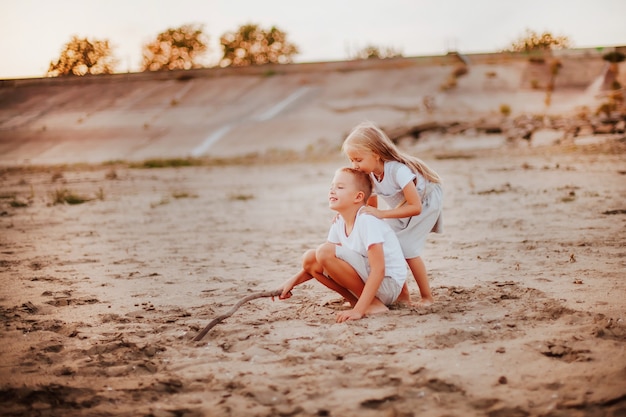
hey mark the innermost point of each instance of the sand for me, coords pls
(99, 301)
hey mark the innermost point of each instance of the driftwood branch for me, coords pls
(230, 312)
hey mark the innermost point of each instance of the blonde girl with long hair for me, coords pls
(410, 189)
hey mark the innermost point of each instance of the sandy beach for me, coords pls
(99, 301)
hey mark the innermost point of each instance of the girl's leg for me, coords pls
(417, 267)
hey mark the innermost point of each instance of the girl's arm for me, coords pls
(373, 201)
(412, 205)
(376, 257)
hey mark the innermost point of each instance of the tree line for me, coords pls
(178, 48)
(183, 48)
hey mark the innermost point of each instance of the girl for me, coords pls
(409, 187)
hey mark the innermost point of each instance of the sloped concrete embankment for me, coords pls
(241, 111)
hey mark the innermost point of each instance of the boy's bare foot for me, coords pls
(404, 300)
(403, 303)
(376, 308)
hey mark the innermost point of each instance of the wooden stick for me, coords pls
(230, 312)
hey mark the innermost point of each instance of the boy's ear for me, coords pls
(360, 196)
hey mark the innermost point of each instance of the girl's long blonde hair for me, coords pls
(369, 137)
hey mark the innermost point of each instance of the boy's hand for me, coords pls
(285, 293)
(349, 315)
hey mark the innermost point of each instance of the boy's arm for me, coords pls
(376, 257)
(288, 285)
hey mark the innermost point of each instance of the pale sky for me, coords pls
(34, 32)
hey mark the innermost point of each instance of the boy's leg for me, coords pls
(344, 276)
(417, 267)
(313, 267)
(405, 296)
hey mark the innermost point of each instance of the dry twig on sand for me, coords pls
(230, 312)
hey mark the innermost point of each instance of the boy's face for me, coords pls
(363, 160)
(343, 192)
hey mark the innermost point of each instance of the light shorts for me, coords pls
(389, 289)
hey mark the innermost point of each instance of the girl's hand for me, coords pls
(373, 211)
(349, 315)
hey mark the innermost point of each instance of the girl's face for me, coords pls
(364, 160)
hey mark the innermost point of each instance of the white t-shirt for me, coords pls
(397, 176)
(367, 231)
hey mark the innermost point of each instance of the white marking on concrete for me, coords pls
(269, 114)
(217, 135)
(277, 108)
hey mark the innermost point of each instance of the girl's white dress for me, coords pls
(411, 231)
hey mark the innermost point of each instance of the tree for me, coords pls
(176, 48)
(533, 41)
(376, 52)
(81, 56)
(252, 45)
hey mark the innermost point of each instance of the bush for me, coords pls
(167, 163)
(65, 196)
(607, 108)
(555, 66)
(18, 203)
(614, 57)
(460, 70)
(449, 84)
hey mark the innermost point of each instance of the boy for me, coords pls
(362, 259)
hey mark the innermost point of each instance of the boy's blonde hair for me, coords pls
(367, 136)
(362, 181)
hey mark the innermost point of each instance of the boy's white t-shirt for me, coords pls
(397, 176)
(367, 231)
